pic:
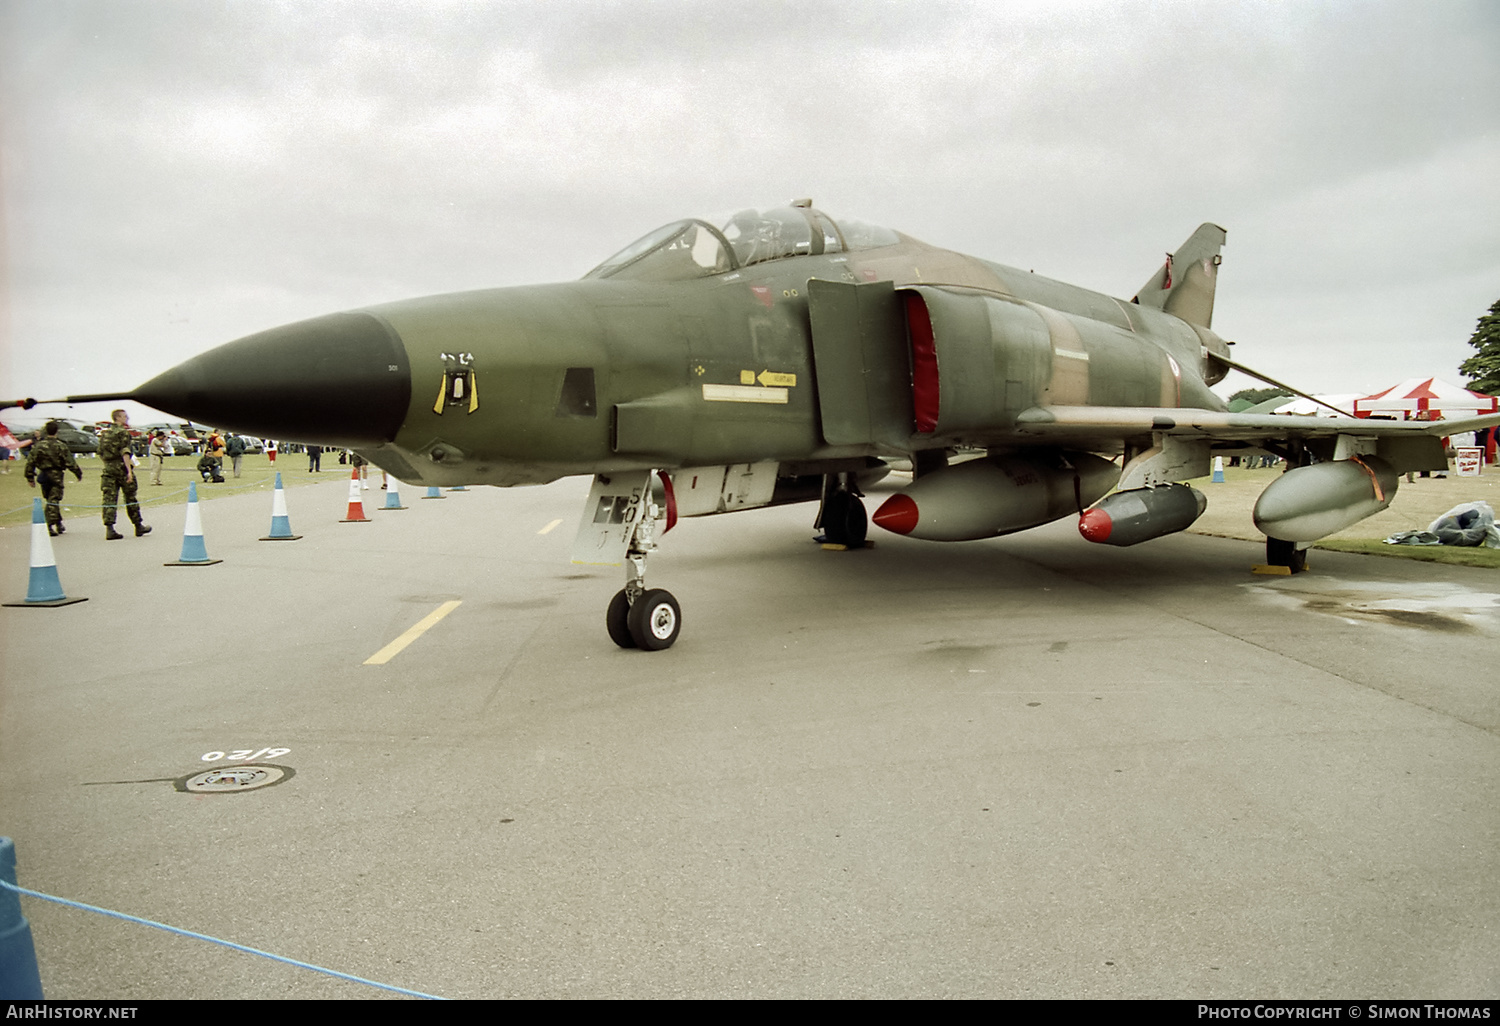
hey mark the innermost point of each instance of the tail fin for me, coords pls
(1184, 285)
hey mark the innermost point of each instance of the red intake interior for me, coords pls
(924, 366)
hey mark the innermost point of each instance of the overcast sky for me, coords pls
(179, 173)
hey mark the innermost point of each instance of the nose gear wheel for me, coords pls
(655, 620)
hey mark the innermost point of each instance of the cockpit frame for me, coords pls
(696, 248)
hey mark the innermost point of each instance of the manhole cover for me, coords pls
(233, 779)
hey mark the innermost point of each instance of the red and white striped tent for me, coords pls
(1430, 394)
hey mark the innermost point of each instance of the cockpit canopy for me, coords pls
(697, 248)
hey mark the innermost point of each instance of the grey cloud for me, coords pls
(254, 162)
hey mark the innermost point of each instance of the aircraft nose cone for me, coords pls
(342, 379)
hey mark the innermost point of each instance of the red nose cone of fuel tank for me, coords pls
(1095, 525)
(897, 514)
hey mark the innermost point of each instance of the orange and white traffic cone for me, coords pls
(356, 514)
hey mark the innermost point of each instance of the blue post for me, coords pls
(20, 980)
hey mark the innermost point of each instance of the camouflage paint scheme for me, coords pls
(783, 335)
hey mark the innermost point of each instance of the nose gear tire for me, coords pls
(655, 620)
(616, 620)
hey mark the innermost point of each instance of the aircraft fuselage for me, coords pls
(531, 383)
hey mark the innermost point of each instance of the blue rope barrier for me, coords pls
(215, 940)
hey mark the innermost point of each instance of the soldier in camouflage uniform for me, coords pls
(119, 474)
(48, 460)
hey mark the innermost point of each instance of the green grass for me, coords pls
(1416, 504)
(1450, 554)
(82, 499)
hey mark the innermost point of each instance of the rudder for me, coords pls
(1184, 285)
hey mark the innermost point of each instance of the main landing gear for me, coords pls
(1278, 551)
(842, 516)
(639, 617)
(1287, 554)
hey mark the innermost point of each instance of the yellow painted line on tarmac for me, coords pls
(549, 527)
(422, 626)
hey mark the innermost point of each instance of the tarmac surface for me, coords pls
(1029, 767)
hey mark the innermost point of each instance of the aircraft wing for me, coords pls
(1081, 423)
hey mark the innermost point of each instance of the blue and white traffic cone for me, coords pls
(1218, 477)
(44, 588)
(460, 488)
(19, 978)
(433, 492)
(392, 494)
(194, 552)
(281, 524)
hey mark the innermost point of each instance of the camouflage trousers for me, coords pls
(112, 482)
(52, 495)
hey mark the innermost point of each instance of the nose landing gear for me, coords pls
(638, 617)
(622, 515)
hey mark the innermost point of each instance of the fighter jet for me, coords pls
(777, 355)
